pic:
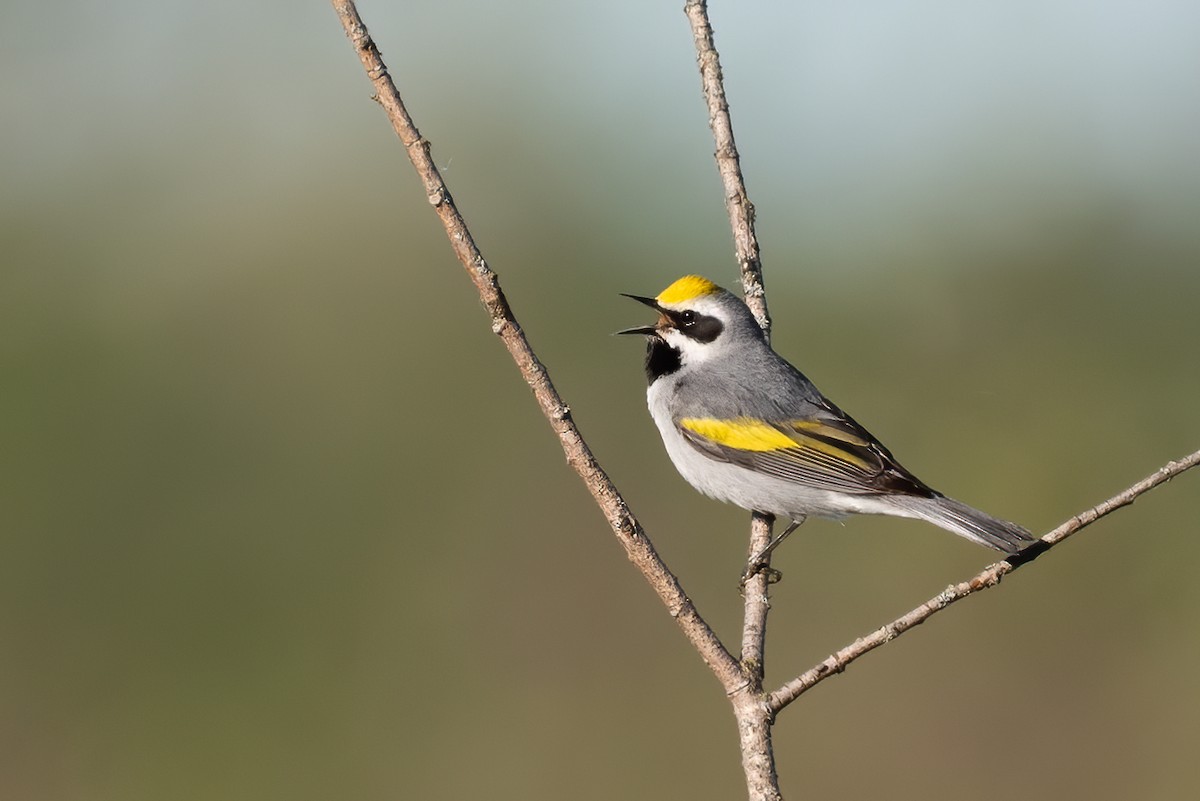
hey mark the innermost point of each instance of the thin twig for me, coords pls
(989, 577)
(745, 243)
(753, 717)
(626, 528)
(742, 682)
(756, 602)
(737, 202)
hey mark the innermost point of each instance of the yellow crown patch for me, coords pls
(687, 288)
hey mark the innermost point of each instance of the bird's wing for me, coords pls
(828, 452)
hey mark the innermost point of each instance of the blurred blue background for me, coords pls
(282, 521)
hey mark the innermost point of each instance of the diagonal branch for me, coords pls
(989, 577)
(626, 528)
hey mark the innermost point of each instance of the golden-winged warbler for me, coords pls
(744, 426)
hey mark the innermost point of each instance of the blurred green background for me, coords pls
(281, 520)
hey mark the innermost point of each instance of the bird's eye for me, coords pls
(688, 317)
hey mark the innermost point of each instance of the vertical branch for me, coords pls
(745, 242)
(737, 202)
(753, 717)
(756, 603)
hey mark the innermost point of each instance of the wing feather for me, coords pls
(833, 453)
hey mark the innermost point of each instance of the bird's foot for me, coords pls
(754, 568)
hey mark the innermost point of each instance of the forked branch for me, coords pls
(741, 680)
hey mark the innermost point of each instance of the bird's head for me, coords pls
(697, 321)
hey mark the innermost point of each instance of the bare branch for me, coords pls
(626, 528)
(753, 716)
(757, 603)
(989, 577)
(742, 680)
(745, 242)
(737, 202)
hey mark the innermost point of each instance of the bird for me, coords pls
(742, 425)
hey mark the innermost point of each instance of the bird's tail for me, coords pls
(971, 523)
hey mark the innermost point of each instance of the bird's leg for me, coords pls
(773, 544)
(757, 563)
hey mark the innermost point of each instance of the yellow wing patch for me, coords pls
(687, 288)
(820, 429)
(743, 433)
(748, 434)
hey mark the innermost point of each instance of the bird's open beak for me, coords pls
(651, 302)
(644, 330)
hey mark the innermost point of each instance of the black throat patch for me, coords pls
(661, 359)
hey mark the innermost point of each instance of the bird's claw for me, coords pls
(754, 568)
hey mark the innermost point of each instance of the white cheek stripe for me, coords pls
(693, 352)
